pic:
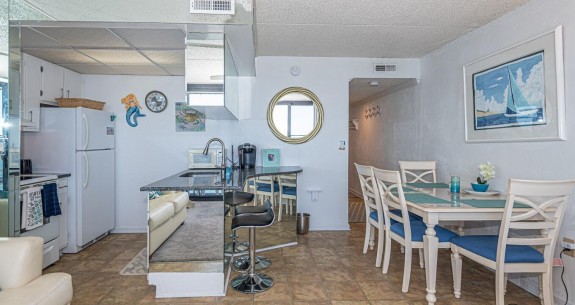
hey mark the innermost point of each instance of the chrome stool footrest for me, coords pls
(252, 283)
(242, 264)
(239, 248)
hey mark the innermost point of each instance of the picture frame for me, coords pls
(271, 157)
(189, 119)
(517, 94)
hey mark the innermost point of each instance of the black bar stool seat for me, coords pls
(235, 198)
(253, 282)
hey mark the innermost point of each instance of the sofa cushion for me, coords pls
(160, 213)
(179, 199)
(52, 288)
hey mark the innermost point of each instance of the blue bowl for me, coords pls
(479, 187)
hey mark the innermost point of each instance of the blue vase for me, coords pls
(479, 187)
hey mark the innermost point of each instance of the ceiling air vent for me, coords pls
(384, 68)
(213, 7)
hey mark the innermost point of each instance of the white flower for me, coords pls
(486, 172)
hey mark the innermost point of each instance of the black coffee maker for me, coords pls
(25, 166)
(247, 155)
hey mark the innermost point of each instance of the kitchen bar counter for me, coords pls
(203, 232)
(214, 178)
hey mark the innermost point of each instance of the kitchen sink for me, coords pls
(202, 173)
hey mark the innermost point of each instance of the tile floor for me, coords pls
(325, 268)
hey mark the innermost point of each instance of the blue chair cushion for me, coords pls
(411, 215)
(418, 230)
(486, 246)
(290, 190)
(373, 215)
(265, 187)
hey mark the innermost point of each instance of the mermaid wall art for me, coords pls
(132, 109)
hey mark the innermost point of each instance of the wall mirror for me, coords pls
(295, 115)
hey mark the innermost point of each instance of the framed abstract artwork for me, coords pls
(271, 157)
(517, 94)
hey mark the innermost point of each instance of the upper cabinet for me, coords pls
(42, 83)
(52, 82)
(31, 92)
(72, 84)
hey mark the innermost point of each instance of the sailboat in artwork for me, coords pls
(517, 104)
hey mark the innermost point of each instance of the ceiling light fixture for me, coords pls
(373, 83)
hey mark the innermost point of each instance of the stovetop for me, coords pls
(28, 179)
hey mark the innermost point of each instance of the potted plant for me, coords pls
(486, 172)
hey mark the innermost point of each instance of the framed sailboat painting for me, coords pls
(517, 94)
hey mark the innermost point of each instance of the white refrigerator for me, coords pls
(78, 141)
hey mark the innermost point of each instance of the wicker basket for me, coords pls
(79, 102)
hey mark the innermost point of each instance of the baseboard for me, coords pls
(118, 230)
(330, 228)
(561, 300)
(529, 284)
(355, 193)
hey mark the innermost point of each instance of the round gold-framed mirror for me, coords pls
(295, 115)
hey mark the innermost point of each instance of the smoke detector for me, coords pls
(219, 7)
(373, 83)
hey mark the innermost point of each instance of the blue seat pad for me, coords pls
(373, 215)
(418, 230)
(264, 187)
(486, 246)
(411, 215)
(290, 190)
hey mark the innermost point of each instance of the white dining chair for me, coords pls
(266, 187)
(514, 249)
(401, 228)
(288, 192)
(373, 212)
(424, 172)
(418, 171)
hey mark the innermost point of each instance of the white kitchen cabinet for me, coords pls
(31, 92)
(72, 84)
(63, 198)
(52, 82)
(42, 83)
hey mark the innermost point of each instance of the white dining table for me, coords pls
(434, 213)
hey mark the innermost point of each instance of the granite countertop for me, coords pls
(214, 179)
(60, 175)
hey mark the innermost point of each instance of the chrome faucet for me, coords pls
(223, 165)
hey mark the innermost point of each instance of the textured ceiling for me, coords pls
(368, 28)
(319, 28)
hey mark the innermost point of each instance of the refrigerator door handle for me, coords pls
(86, 131)
(85, 184)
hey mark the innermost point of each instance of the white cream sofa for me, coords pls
(21, 279)
(167, 213)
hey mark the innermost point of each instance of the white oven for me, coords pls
(50, 229)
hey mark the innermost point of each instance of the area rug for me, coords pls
(199, 238)
(356, 209)
(137, 266)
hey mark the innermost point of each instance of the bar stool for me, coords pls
(253, 282)
(242, 264)
(233, 199)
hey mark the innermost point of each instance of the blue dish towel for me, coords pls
(50, 201)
